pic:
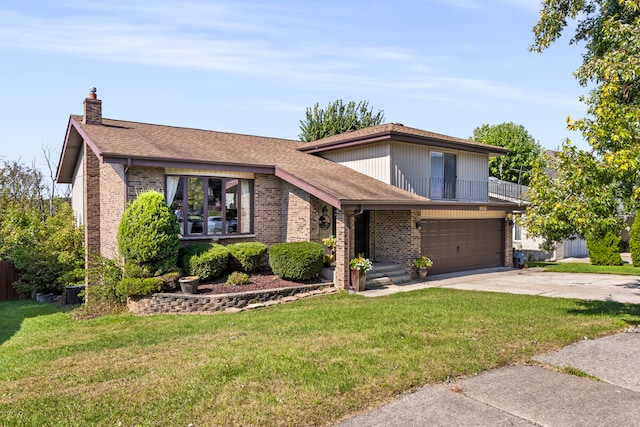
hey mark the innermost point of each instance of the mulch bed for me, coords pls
(259, 282)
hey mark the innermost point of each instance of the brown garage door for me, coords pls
(458, 245)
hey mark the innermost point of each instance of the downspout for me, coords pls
(126, 182)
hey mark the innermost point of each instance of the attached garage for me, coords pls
(467, 244)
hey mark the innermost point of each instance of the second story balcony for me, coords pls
(465, 191)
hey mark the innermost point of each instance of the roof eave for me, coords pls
(403, 137)
(120, 158)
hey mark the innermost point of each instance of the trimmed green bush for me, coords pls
(237, 278)
(634, 243)
(296, 260)
(204, 260)
(247, 256)
(131, 287)
(604, 249)
(148, 234)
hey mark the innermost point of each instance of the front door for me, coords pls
(361, 232)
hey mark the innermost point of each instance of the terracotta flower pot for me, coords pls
(358, 281)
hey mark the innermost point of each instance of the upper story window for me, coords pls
(442, 182)
(206, 206)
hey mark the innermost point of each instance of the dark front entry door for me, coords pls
(361, 233)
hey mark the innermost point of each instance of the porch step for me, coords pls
(386, 274)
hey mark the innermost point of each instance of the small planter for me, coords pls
(328, 273)
(358, 281)
(44, 298)
(422, 272)
(189, 284)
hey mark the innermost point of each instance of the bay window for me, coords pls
(207, 206)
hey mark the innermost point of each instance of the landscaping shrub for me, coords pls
(247, 256)
(604, 248)
(148, 234)
(100, 296)
(131, 287)
(237, 278)
(634, 243)
(47, 250)
(205, 260)
(296, 260)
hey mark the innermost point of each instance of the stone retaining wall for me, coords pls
(203, 303)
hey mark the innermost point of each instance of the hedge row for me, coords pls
(209, 260)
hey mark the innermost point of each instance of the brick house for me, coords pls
(391, 192)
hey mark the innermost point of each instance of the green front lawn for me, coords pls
(576, 267)
(305, 363)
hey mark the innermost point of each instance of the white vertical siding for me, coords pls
(77, 189)
(410, 167)
(372, 160)
(472, 166)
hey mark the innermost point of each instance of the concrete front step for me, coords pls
(385, 274)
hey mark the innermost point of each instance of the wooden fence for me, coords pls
(8, 275)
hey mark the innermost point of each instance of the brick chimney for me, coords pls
(92, 109)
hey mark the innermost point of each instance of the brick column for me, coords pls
(508, 242)
(343, 247)
(91, 206)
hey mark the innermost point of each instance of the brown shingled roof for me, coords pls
(398, 132)
(133, 143)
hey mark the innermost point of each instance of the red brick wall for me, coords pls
(112, 205)
(295, 214)
(267, 207)
(91, 208)
(394, 237)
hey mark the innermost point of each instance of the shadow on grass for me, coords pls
(13, 313)
(629, 313)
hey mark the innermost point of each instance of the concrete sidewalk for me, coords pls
(532, 395)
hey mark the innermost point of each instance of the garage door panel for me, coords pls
(458, 245)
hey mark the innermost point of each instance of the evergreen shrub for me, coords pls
(205, 260)
(148, 234)
(604, 248)
(247, 256)
(634, 243)
(132, 287)
(296, 260)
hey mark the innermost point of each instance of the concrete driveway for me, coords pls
(532, 281)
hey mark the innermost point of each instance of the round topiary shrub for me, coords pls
(247, 256)
(296, 260)
(634, 243)
(148, 234)
(204, 260)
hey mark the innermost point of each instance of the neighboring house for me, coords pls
(531, 246)
(390, 192)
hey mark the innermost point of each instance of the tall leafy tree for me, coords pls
(337, 118)
(594, 189)
(524, 151)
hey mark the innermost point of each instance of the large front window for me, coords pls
(211, 206)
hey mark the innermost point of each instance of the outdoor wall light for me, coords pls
(419, 225)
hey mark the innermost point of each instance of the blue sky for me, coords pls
(254, 67)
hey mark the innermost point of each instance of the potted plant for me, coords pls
(421, 264)
(359, 268)
(189, 284)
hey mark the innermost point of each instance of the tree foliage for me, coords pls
(524, 151)
(337, 118)
(595, 189)
(44, 244)
(148, 234)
